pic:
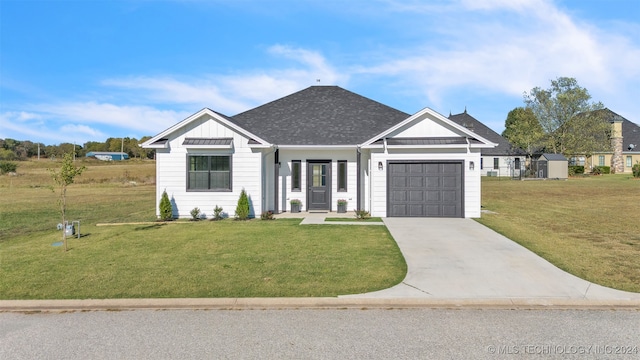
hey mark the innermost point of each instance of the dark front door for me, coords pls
(319, 185)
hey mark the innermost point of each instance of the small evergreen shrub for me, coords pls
(267, 215)
(636, 170)
(362, 214)
(576, 170)
(605, 169)
(166, 212)
(596, 170)
(242, 209)
(195, 214)
(7, 167)
(217, 213)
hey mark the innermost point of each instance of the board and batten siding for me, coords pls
(172, 170)
(471, 179)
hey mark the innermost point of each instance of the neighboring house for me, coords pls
(319, 145)
(108, 156)
(625, 144)
(502, 160)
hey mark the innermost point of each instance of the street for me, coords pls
(323, 334)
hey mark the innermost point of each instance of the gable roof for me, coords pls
(161, 141)
(630, 130)
(470, 139)
(471, 123)
(320, 115)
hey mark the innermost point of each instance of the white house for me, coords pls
(319, 145)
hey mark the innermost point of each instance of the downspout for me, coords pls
(358, 178)
(263, 179)
(276, 173)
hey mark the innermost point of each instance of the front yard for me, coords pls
(182, 259)
(588, 226)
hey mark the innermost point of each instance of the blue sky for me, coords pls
(77, 71)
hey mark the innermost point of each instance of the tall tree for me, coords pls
(523, 130)
(64, 177)
(556, 107)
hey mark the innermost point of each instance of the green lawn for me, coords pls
(588, 226)
(227, 258)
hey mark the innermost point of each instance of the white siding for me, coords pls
(471, 177)
(284, 181)
(172, 171)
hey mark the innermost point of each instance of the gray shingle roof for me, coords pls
(320, 115)
(630, 130)
(555, 157)
(504, 148)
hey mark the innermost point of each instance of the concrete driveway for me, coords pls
(462, 259)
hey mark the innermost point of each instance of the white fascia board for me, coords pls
(260, 146)
(205, 111)
(318, 147)
(435, 114)
(163, 146)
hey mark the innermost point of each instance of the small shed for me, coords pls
(108, 156)
(552, 166)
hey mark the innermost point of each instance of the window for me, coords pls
(295, 175)
(209, 173)
(496, 163)
(600, 160)
(342, 175)
(629, 161)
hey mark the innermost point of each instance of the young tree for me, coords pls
(62, 178)
(242, 209)
(556, 107)
(166, 210)
(523, 130)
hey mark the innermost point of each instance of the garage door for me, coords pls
(426, 189)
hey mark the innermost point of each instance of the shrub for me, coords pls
(195, 214)
(362, 214)
(342, 202)
(576, 170)
(217, 213)
(7, 167)
(636, 170)
(242, 209)
(605, 169)
(166, 211)
(267, 215)
(295, 202)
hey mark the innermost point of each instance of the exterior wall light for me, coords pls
(380, 165)
(471, 165)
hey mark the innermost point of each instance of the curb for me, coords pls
(310, 303)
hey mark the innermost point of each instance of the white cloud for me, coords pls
(141, 118)
(507, 47)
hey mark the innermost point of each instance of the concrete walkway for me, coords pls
(462, 259)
